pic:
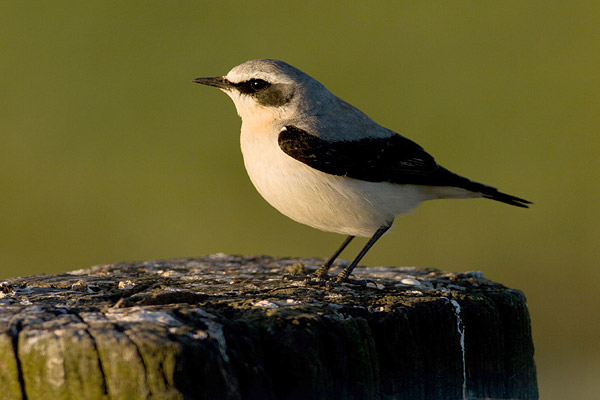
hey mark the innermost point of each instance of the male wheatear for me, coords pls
(324, 163)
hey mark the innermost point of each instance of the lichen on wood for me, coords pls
(232, 327)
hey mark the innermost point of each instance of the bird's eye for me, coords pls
(252, 86)
(258, 84)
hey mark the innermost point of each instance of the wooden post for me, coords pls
(229, 327)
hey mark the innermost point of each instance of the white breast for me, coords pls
(327, 202)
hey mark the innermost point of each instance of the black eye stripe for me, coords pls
(252, 86)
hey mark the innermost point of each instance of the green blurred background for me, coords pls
(109, 153)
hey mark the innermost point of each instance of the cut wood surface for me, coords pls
(232, 327)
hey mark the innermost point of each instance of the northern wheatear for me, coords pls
(326, 164)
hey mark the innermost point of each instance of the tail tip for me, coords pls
(508, 199)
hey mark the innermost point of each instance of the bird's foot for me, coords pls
(350, 281)
(317, 279)
(331, 282)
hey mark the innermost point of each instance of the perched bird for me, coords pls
(326, 164)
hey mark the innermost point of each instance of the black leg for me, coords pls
(348, 270)
(321, 272)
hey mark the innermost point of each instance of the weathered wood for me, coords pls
(228, 327)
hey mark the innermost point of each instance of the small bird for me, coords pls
(324, 163)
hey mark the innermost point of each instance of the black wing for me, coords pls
(393, 159)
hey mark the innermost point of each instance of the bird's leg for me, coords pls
(348, 270)
(322, 272)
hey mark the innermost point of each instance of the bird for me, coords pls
(324, 163)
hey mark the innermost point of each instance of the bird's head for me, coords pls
(264, 90)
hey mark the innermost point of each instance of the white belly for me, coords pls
(323, 201)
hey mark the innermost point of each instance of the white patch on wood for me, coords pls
(215, 330)
(461, 331)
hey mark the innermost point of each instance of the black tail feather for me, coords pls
(494, 194)
(489, 192)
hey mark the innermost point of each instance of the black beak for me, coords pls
(216, 81)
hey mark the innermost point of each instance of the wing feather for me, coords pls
(393, 159)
